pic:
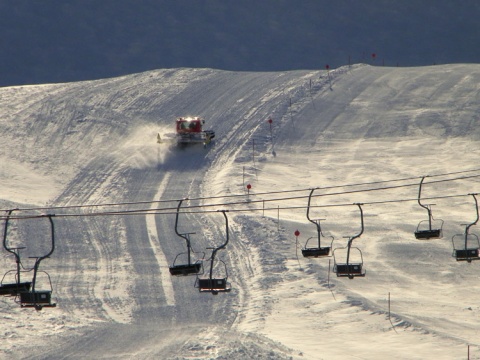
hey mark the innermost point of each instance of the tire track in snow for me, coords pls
(166, 280)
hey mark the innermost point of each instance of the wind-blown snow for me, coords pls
(95, 142)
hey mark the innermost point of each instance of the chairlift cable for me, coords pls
(264, 193)
(300, 207)
(172, 210)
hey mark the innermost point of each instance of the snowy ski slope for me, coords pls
(94, 143)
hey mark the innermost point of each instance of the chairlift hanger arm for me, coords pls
(349, 246)
(40, 258)
(317, 223)
(476, 220)
(52, 236)
(5, 231)
(362, 226)
(52, 233)
(214, 252)
(420, 195)
(176, 222)
(14, 251)
(308, 207)
(227, 237)
(215, 249)
(190, 267)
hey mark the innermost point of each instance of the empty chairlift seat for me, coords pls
(33, 299)
(14, 289)
(466, 247)
(213, 285)
(428, 234)
(466, 255)
(349, 270)
(316, 252)
(185, 269)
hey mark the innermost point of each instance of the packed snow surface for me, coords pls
(88, 153)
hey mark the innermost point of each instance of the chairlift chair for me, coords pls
(211, 284)
(427, 232)
(13, 289)
(466, 246)
(190, 268)
(39, 299)
(315, 251)
(350, 268)
(467, 254)
(214, 285)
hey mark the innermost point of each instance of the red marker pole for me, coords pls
(328, 73)
(270, 121)
(248, 189)
(297, 234)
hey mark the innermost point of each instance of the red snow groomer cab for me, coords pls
(190, 131)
